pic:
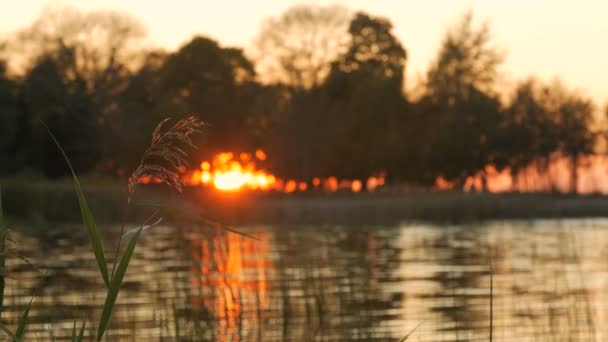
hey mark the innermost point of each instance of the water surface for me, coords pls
(540, 280)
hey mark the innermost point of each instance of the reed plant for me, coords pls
(167, 152)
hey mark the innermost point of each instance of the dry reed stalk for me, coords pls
(166, 153)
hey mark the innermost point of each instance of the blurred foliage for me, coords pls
(324, 95)
(298, 47)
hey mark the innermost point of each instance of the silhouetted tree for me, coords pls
(104, 43)
(367, 81)
(350, 125)
(374, 52)
(527, 132)
(335, 105)
(460, 105)
(84, 61)
(572, 115)
(542, 120)
(215, 83)
(466, 62)
(604, 128)
(54, 94)
(8, 121)
(137, 110)
(298, 47)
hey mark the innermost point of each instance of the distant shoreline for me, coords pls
(56, 202)
(392, 208)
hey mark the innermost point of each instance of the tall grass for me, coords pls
(19, 333)
(87, 218)
(160, 161)
(2, 255)
(410, 333)
(112, 285)
(491, 323)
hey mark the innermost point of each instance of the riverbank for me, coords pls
(56, 201)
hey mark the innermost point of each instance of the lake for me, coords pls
(528, 280)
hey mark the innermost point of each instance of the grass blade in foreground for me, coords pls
(22, 323)
(193, 215)
(78, 338)
(115, 285)
(6, 330)
(176, 322)
(51, 335)
(87, 217)
(131, 232)
(410, 333)
(2, 255)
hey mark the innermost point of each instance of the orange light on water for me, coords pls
(236, 269)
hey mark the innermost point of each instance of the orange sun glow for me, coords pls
(231, 172)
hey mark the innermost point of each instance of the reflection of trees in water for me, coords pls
(545, 291)
(338, 275)
(464, 266)
(541, 291)
(332, 283)
(311, 283)
(337, 278)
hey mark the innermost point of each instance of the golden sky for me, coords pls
(547, 38)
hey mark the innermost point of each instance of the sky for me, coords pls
(545, 38)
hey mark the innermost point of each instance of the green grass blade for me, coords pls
(96, 242)
(410, 333)
(78, 338)
(198, 331)
(20, 332)
(52, 335)
(115, 285)
(87, 217)
(193, 215)
(1, 218)
(6, 330)
(176, 323)
(131, 232)
(2, 255)
(81, 333)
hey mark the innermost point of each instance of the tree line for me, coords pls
(322, 92)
